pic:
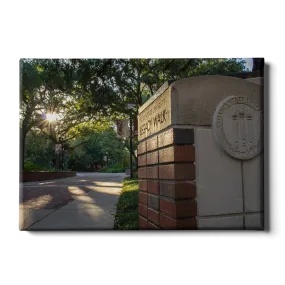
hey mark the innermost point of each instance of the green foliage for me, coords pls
(113, 169)
(88, 152)
(134, 147)
(135, 80)
(56, 86)
(100, 88)
(127, 207)
(126, 158)
(31, 167)
(39, 150)
(89, 95)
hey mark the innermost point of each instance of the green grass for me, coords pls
(127, 207)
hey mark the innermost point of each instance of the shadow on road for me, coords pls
(86, 197)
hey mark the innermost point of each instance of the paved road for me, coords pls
(85, 202)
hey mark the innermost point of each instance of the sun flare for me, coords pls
(52, 117)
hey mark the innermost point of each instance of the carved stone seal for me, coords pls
(237, 127)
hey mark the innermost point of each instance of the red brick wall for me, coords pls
(167, 185)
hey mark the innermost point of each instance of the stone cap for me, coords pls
(193, 101)
(254, 76)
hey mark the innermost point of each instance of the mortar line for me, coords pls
(230, 214)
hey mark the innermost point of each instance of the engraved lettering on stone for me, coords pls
(155, 117)
(241, 124)
(237, 127)
(249, 125)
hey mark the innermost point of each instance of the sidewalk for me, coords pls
(88, 203)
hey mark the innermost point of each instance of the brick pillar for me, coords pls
(167, 186)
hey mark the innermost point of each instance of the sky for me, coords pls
(248, 63)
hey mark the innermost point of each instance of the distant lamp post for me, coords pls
(131, 106)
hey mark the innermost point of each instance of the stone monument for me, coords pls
(200, 155)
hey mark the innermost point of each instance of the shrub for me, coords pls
(30, 167)
(112, 169)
